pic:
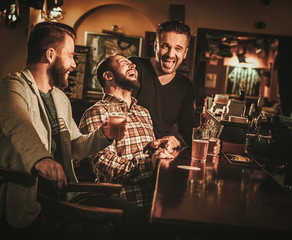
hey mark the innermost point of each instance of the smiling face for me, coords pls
(125, 73)
(63, 64)
(170, 50)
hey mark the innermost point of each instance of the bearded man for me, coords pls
(37, 132)
(130, 161)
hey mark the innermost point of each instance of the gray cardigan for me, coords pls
(25, 138)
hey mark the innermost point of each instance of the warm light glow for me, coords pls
(55, 14)
(251, 61)
(232, 61)
(255, 61)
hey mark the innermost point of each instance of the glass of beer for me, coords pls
(212, 144)
(200, 143)
(117, 117)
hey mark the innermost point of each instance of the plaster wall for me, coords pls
(137, 16)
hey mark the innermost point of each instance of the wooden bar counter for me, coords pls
(221, 199)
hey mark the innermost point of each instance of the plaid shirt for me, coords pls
(125, 161)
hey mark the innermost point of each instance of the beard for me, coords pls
(59, 75)
(125, 83)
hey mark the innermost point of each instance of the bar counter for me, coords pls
(221, 199)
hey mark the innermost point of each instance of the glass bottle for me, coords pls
(203, 117)
(241, 94)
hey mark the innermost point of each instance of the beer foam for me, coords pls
(116, 119)
(201, 140)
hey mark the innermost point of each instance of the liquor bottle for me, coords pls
(241, 94)
(260, 104)
(203, 117)
(251, 116)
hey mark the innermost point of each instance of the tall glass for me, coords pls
(212, 144)
(200, 143)
(117, 117)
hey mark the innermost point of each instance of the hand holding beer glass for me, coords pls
(214, 146)
(117, 119)
(200, 143)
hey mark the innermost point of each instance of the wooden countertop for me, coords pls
(221, 195)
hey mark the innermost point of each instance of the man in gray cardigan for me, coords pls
(37, 132)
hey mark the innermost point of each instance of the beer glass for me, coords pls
(117, 117)
(200, 143)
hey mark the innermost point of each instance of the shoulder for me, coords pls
(92, 117)
(185, 85)
(17, 82)
(184, 81)
(142, 110)
(139, 60)
(97, 109)
(20, 77)
(134, 59)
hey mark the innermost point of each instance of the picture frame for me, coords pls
(238, 77)
(150, 37)
(210, 80)
(104, 45)
(186, 66)
(77, 80)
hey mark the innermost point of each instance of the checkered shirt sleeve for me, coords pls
(125, 160)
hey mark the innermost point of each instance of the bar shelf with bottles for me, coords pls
(264, 135)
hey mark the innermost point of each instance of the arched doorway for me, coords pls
(129, 21)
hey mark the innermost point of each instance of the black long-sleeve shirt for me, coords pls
(168, 104)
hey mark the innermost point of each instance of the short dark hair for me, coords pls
(45, 35)
(173, 26)
(106, 65)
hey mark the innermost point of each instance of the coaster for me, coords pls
(238, 158)
(189, 167)
(242, 160)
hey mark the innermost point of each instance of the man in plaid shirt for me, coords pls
(130, 161)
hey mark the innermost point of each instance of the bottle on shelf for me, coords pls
(203, 117)
(260, 103)
(241, 95)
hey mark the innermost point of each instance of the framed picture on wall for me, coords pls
(186, 67)
(210, 80)
(77, 80)
(104, 45)
(238, 77)
(149, 40)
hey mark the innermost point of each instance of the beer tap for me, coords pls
(250, 115)
(259, 136)
(258, 121)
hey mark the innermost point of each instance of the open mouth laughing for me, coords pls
(168, 63)
(132, 73)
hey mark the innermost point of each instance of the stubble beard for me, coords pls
(126, 84)
(58, 74)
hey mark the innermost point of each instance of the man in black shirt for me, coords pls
(164, 91)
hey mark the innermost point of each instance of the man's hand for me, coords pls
(49, 168)
(160, 154)
(217, 147)
(168, 142)
(165, 162)
(105, 127)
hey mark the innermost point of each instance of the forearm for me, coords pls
(116, 168)
(89, 144)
